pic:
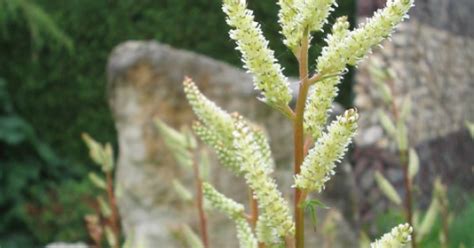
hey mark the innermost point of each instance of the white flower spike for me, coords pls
(258, 58)
(397, 238)
(318, 166)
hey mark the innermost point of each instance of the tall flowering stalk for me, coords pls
(244, 149)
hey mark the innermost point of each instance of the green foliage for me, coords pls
(40, 24)
(34, 197)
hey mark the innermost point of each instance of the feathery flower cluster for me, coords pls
(207, 111)
(397, 238)
(270, 200)
(287, 19)
(221, 202)
(245, 234)
(318, 166)
(258, 58)
(358, 43)
(264, 147)
(300, 16)
(314, 13)
(215, 128)
(312, 16)
(377, 28)
(322, 95)
(235, 211)
(265, 233)
(348, 48)
(225, 151)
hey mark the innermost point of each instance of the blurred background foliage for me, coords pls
(53, 88)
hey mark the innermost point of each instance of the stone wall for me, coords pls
(432, 56)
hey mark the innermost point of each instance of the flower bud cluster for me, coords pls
(257, 177)
(221, 202)
(318, 166)
(225, 151)
(215, 127)
(398, 237)
(348, 48)
(300, 16)
(235, 211)
(257, 57)
(265, 233)
(207, 111)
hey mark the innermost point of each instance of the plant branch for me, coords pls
(298, 130)
(115, 218)
(408, 195)
(408, 184)
(253, 209)
(200, 204)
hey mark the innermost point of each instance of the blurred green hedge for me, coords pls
(60, 92)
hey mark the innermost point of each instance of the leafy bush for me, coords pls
(35, 197)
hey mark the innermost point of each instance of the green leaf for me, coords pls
(97, 181)
(14, 130)
(402, 136)
(429, 219)
(191, 238)
(181, 191)
(406, 108)
(204, 164)
(111, 238)
(387, 188)
(364, 240)
(413, 163)
(387, 123)
(470, 127)
(311, 206)
(95, 149)
(104, 207)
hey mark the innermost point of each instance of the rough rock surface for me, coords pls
(435, 68)
(145, 82)
(432, 56)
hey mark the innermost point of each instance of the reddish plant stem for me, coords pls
(253, 218)
(200, 205)
(408, 195)
(253, 209)
(298, 130)
(115, 218)
(408, 184)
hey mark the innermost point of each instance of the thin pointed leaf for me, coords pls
(97, 181)
(387, 188)
(406, 108)
(429, 219)
(387, 123)
(402, 136)
(413, 163)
